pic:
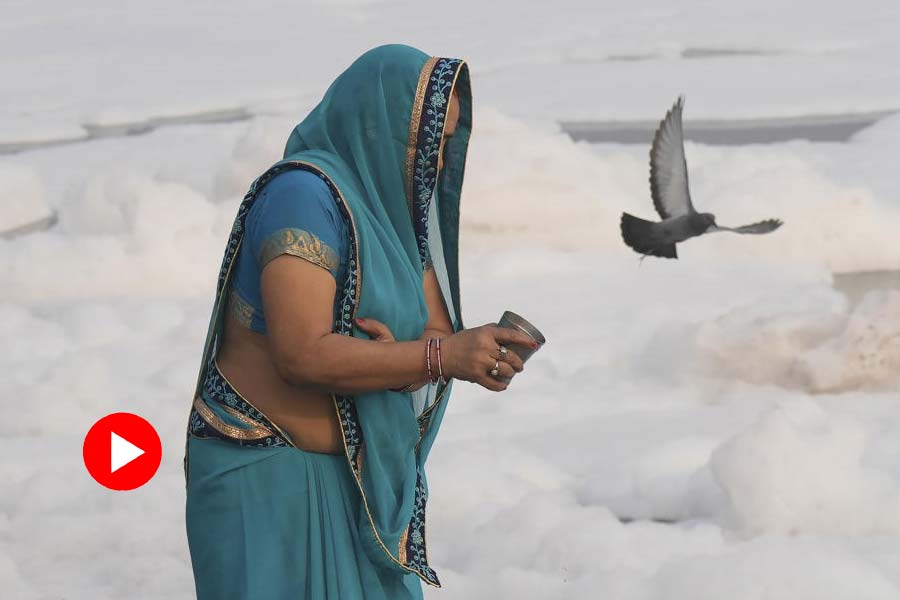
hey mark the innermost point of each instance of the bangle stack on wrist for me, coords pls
(436, 342)
(439, 378)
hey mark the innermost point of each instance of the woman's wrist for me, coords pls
(423, 378)
(448, 365)
(433, 364)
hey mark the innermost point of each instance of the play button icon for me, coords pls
(122, 451)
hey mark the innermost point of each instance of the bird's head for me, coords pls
(708, 220)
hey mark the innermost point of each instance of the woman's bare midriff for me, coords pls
(308, 416)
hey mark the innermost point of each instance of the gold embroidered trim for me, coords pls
(359, 457)
(278, 429)
(414, 120)
(434, 404)
(240, 309)
(255, 432)
(299, 242)
(401, 549)
(423, 426)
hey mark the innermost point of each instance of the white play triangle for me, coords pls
(121, 452)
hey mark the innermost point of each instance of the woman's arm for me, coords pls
(298, 298)
(438, 325)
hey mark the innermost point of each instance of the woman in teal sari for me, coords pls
(334, 339)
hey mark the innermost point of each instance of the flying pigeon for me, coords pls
(672, 198)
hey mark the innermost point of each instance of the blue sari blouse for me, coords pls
(295, 214)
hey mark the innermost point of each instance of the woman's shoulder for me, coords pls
(292, 181)
(294, 193)
(296, 213)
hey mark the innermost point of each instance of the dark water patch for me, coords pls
(41, 224)
(631, 57)
(689, 53)
(857, 284)
(94, 131)
(660, 520)
(731, 132)
(700, 52)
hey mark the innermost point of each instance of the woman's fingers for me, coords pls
(376, 330)
(511, 358)
(503, 335)
(474, 352)
(506, 363)
(506, 370)
(492, 383)
(499, 382)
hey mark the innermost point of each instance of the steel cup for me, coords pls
(511, 320)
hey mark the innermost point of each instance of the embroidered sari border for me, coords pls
(415, 119)
(429, 114)
(255, 432)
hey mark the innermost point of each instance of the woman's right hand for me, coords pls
(470, 355)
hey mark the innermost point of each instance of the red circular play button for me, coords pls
(122, 451)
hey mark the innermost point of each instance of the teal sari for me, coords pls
(266, 519)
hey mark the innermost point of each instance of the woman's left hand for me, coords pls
(380, 332)
(376, 330)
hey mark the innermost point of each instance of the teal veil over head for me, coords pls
(375, 139)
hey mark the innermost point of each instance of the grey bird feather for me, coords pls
(670, 190)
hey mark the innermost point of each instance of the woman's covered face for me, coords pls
(449, 126)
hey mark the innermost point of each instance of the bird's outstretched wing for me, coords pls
(767, 226)
(668, 167)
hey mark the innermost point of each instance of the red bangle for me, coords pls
(428, 360)
(440, 363)
(431, 377)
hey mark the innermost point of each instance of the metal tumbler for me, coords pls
(511, 320)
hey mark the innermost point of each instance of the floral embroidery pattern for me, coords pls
(415, 535)
(438, 99)
(219, 390)
(428, 143)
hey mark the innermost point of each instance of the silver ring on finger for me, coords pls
(496, 370)
(502, 350)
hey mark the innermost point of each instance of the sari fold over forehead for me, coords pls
(381, 126)
(375, 139)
